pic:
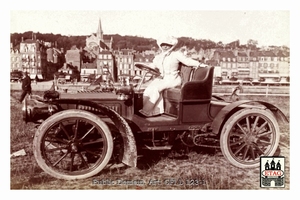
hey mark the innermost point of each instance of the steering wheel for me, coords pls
(147, 69)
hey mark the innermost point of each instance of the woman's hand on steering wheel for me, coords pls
(148, 69)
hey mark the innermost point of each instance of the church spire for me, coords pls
(99, 31)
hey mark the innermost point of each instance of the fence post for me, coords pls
(267, 90)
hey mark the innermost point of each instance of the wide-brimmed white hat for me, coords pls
(170, 40)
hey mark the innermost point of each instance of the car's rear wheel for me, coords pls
(247, 135)
(73, 144)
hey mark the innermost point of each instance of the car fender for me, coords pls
(231, 108)
(130, 151)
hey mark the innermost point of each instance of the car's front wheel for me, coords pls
(73, 144)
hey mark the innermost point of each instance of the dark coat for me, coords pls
(26, 84)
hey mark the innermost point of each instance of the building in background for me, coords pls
(97, 55)
(145, 58)
(29, 56)
(252, 64)
(125, 63)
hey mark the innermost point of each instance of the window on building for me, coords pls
(228, 66)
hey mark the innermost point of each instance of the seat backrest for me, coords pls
(185, 73)
(200, 73)
(200, 86)
(191, 74)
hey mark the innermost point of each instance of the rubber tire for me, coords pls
(232, 121)
(63, 115)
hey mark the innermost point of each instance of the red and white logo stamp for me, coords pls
(272, 171)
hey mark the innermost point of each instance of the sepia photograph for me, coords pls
(150, 99)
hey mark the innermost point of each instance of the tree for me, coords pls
(220, 44)
(252, 44)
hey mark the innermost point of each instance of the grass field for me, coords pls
(206, 169)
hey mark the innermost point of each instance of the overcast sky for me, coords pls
(268, 27)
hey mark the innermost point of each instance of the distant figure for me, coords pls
(26, 87)
(235, 92)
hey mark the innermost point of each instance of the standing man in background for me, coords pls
(26, 87)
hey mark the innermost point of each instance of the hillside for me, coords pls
(120, 42)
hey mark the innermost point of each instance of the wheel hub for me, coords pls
(249, 139)
(74, 147)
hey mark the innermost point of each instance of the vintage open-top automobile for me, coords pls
(79, 134)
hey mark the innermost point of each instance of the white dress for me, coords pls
(168, 65)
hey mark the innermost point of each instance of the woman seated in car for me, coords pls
(167, 62)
